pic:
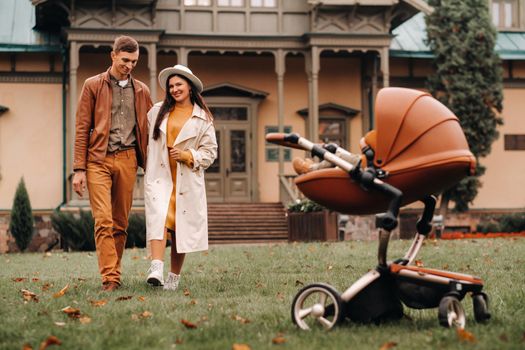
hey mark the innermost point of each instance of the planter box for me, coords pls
(313, 226)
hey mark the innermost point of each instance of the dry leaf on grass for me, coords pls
(298, 283)
(141, 298)
(240, 319)
(61, 292)
(82, 279)
(127, 297)
(330, 267)
(141, 316)
(60, 324)
(419, 263)
(46, 286)
(98, 303)
(466, 336)
(27, 346)
(35, 279)
(85, 319)
(279, 339)
(51, 340)
(188, 324)
(19, 279)
(71, 312)
(193, 302)
(388, 345)
(186, 292)
(241, 347)
(29, 296)
(280, 296)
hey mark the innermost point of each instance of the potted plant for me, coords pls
(309, 221)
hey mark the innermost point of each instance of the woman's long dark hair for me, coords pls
(169, 104)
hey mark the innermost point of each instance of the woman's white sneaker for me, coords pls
(156, 273)
(172, 282)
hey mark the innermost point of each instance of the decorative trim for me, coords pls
(235, 89)
(31, 77)
(144, 36)
(347, 111)
(227, 42)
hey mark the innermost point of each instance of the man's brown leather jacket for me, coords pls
(94, 120)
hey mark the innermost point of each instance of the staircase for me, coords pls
(247, 223)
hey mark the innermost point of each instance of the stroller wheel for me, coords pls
(317, 305)
(451, 313)
(480, 302)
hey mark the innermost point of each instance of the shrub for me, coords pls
(76, 231)
(503, 223)
(305, 206)
(21, 222)
(136, 231)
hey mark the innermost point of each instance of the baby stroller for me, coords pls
(417, 150)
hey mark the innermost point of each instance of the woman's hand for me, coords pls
(176, 154)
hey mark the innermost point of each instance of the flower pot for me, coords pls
(312, 226)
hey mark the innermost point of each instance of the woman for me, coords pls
(181, 146)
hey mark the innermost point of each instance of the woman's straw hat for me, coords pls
(180, 70)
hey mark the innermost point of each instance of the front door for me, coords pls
(228, 179)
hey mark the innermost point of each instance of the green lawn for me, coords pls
(243, 294)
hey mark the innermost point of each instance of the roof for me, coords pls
(17, 20)
(409, 41)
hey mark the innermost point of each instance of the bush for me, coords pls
(136, 231)
(504, 223)
(305, 206)
(21, 222)
(77, 232)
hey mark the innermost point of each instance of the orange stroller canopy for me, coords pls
(418, 143)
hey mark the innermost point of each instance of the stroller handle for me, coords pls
(298, 142)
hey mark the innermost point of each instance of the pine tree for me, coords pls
(467, 79)
(21, 223)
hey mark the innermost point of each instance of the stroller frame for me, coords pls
(377, 295)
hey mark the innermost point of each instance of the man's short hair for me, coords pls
(126, 44)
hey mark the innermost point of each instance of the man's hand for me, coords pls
(79, 182)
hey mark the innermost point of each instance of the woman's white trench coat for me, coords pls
(191, 218)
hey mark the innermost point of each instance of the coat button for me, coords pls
(162, 165)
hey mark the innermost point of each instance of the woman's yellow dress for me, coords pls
(176, 120)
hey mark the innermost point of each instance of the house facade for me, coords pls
(306, 66)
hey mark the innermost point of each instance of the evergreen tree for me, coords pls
(467, 79)
(21, 223)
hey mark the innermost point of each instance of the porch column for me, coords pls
(152, 65)
(385, 66)
(312, 71)
(182, 56)
(280, 67)
(73, 99)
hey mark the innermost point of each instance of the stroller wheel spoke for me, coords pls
(326, 323)
(322, 298)
(304, 312)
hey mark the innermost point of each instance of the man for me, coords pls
(110, 142)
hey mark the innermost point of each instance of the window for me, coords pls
(272, 150)
(262, 3)
(230, 3)
(332, 130)
(505, 13)
(197, 2)
(514, 142)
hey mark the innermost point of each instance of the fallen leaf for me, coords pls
(98, 303)
(193, 302)
(466, 336)
(19, 279)
(141, 299)
(188, 324)
(60, 324)
(71, 312)
(81, 279)
(280, 296)
(85, 319)
(35, 279)
(51, 340)
(186, 292)
(47, 255)
(29, 296)
(445, 267)
(419, 263)
(135, 258)
(27, 346)
(46, 286)
(61, 292)
(311, 249)
(178, 341)
(388, 345)
(141, 316)
(279, 339)
(127, 297)
(240, 319)
(298, 283)
(241, 347)
(330, 267)
(259, 285)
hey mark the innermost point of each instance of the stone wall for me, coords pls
(44, 237)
